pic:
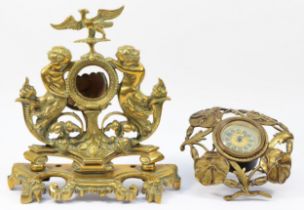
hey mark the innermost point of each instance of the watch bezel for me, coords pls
(231, 155)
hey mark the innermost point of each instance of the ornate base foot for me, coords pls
(37, 160)
(149, 156)
(250, 193)
(165, 175)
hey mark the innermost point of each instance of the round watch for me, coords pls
(240, 139)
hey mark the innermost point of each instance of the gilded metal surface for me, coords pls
(96, 24)
(268, 163)
(33, 186)
(55, 120)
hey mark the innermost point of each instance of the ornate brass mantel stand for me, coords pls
(55, 120)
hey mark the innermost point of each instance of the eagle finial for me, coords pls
(96, 24)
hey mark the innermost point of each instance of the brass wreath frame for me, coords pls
(85, 103)
(237, 157)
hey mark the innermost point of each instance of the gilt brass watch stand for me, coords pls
(89, 144)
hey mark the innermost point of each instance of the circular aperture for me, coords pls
(91, 89)
(91, 82)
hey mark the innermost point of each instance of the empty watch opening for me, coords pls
(92, 82)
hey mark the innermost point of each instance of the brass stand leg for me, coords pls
(250, 193)
(149, 158)
(154, 186)
(153, 190)
(37, 160)
(12, 182)
(32, 190)
(32, 186)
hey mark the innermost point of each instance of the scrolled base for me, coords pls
(165, 175)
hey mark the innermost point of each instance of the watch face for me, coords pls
(240, 139)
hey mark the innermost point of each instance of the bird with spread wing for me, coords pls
(96, 24)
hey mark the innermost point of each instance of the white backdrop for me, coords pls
(231, 53)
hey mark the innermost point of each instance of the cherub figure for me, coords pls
(136, 106)
(49, 106)
(53, 74)
(130, 96)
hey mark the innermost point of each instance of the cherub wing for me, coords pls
(69, 23)
(108, 14)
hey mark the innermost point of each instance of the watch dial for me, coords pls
(241, 137)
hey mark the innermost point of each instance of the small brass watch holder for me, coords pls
(240, 155)
(90, 144)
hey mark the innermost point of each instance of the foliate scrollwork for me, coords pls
(276, 164)
(63, 130)
(64, 193)
(243, 182)
(208, 119)
(212, 167)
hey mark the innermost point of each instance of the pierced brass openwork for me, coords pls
(240, 148)
(55, 120)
